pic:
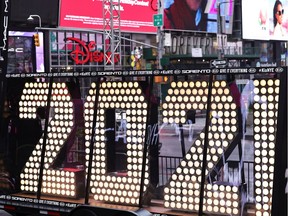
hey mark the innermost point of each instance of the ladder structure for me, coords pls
(112, 34)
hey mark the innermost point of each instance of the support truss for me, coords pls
(112, 34)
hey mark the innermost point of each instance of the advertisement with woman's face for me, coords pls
(265, 19)
(198, 15)
(279, 30)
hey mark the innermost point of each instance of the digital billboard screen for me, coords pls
(24, 57)
(135, 16)
(265, 19)
(198, 15)
(20, 55)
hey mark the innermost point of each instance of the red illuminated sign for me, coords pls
(136, 16)
(83, 53)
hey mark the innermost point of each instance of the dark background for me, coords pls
(46, 9)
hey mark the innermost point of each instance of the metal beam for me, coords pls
(112, 34)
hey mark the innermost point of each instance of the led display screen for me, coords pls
(265, 19)
(184, 15)
(23, 56)
(20, 55)
(135, 16)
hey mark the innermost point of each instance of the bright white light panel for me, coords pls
(55, 182)
(183, 190)
(105, 186)
(265, 107)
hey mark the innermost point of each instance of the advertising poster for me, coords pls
(265, 19)
(135, 16)
(198, 15)
(21, 54)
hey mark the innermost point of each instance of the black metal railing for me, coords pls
(234, 175)
(168, 165)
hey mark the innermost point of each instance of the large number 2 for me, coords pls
(182, 192)
(62, 181)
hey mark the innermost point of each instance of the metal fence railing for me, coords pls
(168, 165)
(234, 176)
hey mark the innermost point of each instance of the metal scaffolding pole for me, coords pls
(160, 36)
(112, 34)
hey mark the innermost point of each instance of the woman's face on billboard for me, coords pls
(279, 13)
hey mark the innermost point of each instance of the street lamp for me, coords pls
(31, 18)
(36, 36)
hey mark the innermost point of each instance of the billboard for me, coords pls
(22, 54)
(265, 19)
(135, 16)
(198, 15)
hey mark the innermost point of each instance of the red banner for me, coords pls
(136, 16)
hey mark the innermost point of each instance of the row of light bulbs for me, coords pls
(183, 189)
(266, 96)
(58, 131)
(129, 97)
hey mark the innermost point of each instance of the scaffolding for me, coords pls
(112, 34)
